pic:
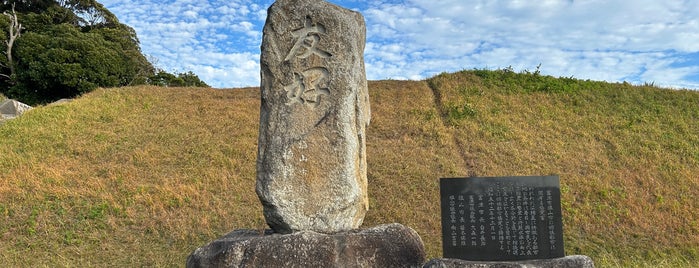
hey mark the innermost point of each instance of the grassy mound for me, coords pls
(628, 156)
(141, 176)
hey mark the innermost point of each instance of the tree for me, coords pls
(90, 13)
(165, 79)
(25, 6)
(67, 48)
(64, 62)
(14, 30)
(191, 80)
(70, 47)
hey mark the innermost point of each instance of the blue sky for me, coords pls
(611, 40)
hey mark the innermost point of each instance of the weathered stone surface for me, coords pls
(575, 261)
(391, 245)
(311, 164)
(11, 108)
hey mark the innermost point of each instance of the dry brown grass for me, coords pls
(408, 149)
(129, 176)
(142, 176)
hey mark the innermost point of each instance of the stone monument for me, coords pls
(502, 218)
(311, 162)
(503, 222)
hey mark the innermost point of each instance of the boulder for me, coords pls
(575, 261)
(390, 245)
(11, 108)
(311, 163)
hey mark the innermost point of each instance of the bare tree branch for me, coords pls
(15, 30)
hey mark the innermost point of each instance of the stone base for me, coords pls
(575, 261)
(390, 245)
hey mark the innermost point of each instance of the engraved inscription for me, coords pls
(303, 146)
(308, 86)
(509, 218)
(307, 39)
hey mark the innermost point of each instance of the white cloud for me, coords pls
(212, 38)
(595, 39)
(612, 40)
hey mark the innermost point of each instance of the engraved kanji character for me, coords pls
(307, 87)
(307, 39)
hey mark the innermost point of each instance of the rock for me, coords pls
(391, 245)
(10, 109)
(311, 163)
(575, 261)
(61, 101)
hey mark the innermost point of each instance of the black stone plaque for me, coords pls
(501, 218)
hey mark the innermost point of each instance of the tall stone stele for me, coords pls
(311, 163)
